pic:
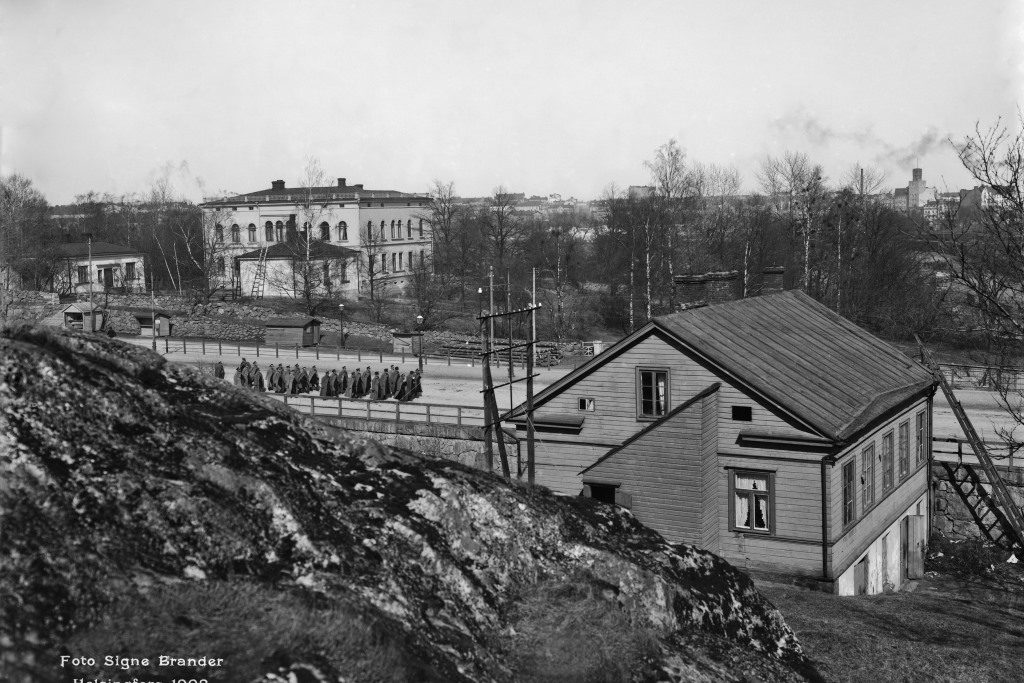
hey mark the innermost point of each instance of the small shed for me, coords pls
(83, 316)
(407, 342)
(293, 331)
(146, 319)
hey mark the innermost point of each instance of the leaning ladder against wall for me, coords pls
(992, 507)
(260, 278)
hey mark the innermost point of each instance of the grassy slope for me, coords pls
(944, 631)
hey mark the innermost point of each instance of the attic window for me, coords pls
(587, 404)
(742, 413)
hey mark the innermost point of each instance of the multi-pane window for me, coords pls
(652, 392)
(400, 266)
(751, 501)
(252, 232)
(129, 271)
(269, 228)
(325, 231)
(421, 228)
(849, 493)
(394, 258)
(410, 260)
(342, 231)
(867, 476)
(904, 449)
(408, 228)
(279, 226)
(392, 230)
(382, 225)
(218, 232)
(919, 446)
(236, 234)
(83, 274)
(887, 464)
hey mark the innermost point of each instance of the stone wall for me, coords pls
(24, 305)
(950, 515)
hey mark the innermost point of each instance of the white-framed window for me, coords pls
(587, 404)
(867, 476)
(887, 462)
(849, 492)
(343, 231)
(921, 435)
(751, 501)
(904, 449)
(651, 392)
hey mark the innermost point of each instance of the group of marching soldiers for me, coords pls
(369, 384)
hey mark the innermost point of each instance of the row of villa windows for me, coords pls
(398, 262)
(276, 231)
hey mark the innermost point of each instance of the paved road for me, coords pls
(457, 384)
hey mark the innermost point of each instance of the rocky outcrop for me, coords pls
(118, 469)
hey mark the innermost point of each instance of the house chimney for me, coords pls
(690, 289)
(721, 287)
(357, 187)
(277, 184)
(771, 281)
(341, 182)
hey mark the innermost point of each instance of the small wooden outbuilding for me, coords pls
(83, 316)
(407, 342)
(146, 319)
(293, 331)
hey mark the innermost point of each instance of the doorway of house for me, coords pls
(904, 548)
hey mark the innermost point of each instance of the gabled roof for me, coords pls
(786, 348)
(81, 249)
(317, 250)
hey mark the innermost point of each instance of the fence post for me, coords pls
(203, 342)
(340, 403)
(220, 349)
(398, 411)
(312, 406)
(449, 359)
(381, 354)
(257, 349)
(403, 355)
(458, 415)
(277, 350)
(166, 345)
(359, 355)
(367, 410)
(296, 352)
(318, 352)
(428, 413)
(239, 345)
(184, 345)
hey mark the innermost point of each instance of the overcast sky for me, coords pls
(541, 97)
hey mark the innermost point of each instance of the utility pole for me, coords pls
(152, 309)
(92, 311)
(508, 321)
(488, 441)
(533, 319)
(490, 311)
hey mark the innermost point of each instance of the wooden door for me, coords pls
(904, 548)
(860, 577)
(915, 564)
(108, 277)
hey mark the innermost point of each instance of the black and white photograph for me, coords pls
(495, 342)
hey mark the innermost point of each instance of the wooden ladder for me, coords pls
(991, 505)
(260, 277)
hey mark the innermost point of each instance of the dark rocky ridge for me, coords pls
(116, 467)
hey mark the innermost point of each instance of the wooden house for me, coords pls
(147, 318)
(768, 430)
(293, 331)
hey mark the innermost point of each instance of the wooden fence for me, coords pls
(412, 411)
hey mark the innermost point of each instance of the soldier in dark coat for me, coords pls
(417, 386)
(401, 392)
(218, 370)
(289, 380)
(238, 376)
(374, 387)
(314, 379)
(342, 380)
(257, 378)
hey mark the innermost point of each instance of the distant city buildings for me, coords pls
(358, 238)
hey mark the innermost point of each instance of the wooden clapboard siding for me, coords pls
(661, 470)
(797, 501)
(559, 463)
(764, 554)
(869, 527)
(613, 386)
(711, 489)
(835, 473)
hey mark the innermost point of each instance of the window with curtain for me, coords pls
(887, 462)
(269, 228)
(867, 475)
(849, 494)
(652, 392)
(752, 501)
(904, 449)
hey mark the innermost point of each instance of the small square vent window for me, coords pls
(587, 404)
(742, 413)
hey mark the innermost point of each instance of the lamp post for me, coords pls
(419, 329)
(92, 312)
(341, 314)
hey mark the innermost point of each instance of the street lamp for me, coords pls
(341, 313)
(419, 329)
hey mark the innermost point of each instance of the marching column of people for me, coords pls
(374, 385)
